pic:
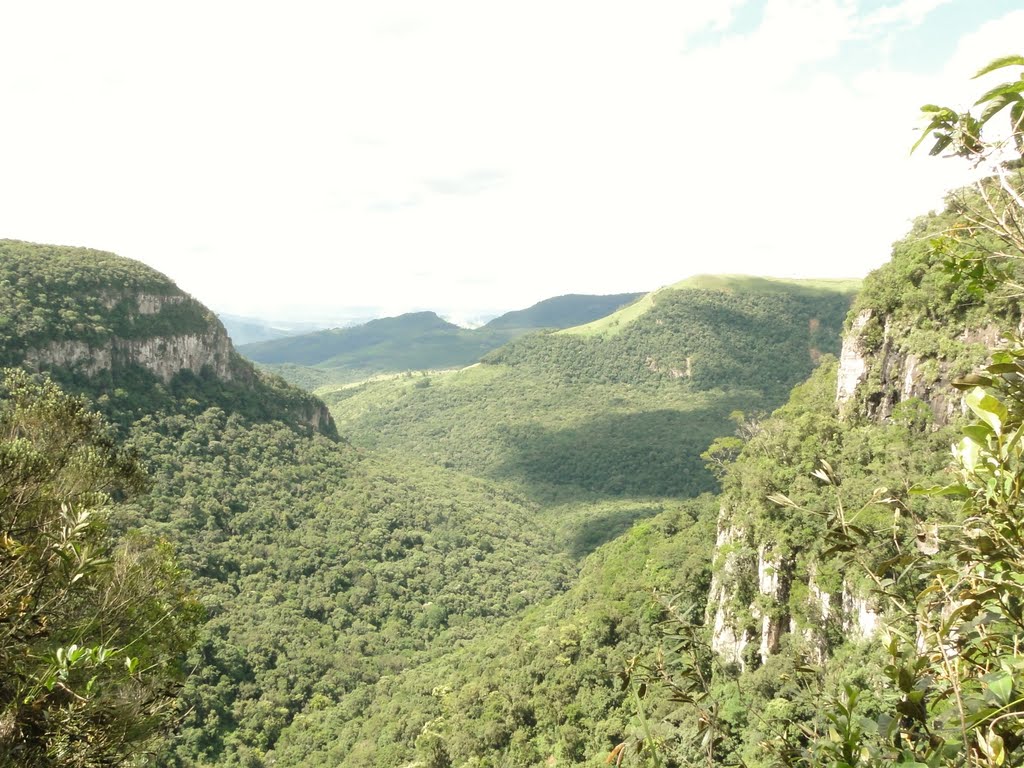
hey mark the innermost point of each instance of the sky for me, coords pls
(296, 160)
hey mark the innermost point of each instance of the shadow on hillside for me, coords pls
(655, 453)
(592, 531)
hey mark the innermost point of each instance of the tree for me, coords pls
(953, 595)
(991, 212)
(955, 661)
(92, 630)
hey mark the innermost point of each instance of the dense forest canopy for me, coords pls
(51, 294)
(696, 531)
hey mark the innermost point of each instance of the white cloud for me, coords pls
(460, 154)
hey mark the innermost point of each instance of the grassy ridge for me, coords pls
(615, 322)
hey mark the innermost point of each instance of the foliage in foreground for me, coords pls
(93, 631)
(955, 650)
(945, 690)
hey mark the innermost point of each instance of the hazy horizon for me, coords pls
(471, 158)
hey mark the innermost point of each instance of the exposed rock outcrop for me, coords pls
(878, 370)
(766, 619)
(166, 333)
(728, 639)
(156, 339)
(852, 360)
(163, 356)
(874, 381)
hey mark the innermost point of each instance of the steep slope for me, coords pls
(415, 341)
(108, 325)
(913, 329)
(321, 569)
(843, 455)
(97, 314)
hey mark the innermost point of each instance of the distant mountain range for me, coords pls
(249, 330)
(416, 341)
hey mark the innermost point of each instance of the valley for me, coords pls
(695, 514)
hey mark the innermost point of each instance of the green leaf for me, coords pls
(987, 408)
(1001, 90)
(1000, 685)
(1002, 61)
(1001, 368)
(998, 104)
(1017, 435)
(1017, 124)
(979, 433)
(886, 725)
(973, 380)
(940, 144)
(956, 489)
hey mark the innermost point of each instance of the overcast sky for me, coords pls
(294, 159)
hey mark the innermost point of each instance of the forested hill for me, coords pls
(559, 414)
(709, 330)
(608, 439)
(416, 341)
(757, 653)
(359, 345)
(126, 334)
(563, 311)
(319, 569)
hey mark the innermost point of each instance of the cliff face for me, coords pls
(765, 586)
(94, 317)
(872, 382)
(749, 634)
(165, 355)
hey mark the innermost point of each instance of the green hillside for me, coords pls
(616, 321)
(546, 686)
(416, 341)
(322, 572)
(320, 569)
(572, 421)
(686, 354)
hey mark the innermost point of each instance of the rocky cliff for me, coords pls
(164, 354)
(912, 332)
(875, 377)
(765, 584)
(109, 322)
